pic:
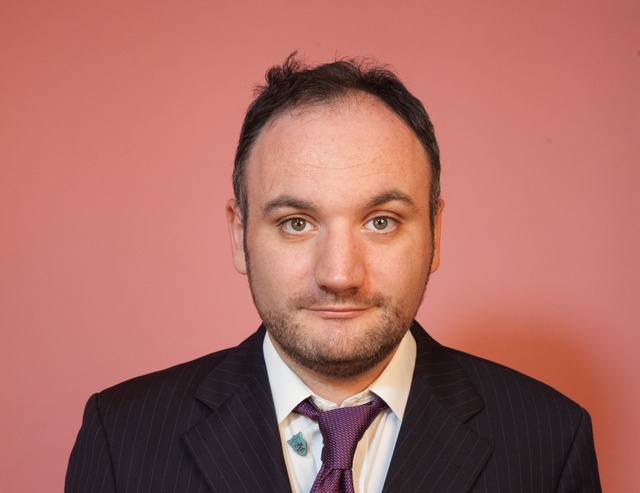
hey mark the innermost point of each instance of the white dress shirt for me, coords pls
(374, 451)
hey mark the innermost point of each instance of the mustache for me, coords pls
(315, 299)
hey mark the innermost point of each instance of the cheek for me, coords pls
(400, 271)
(278, 270)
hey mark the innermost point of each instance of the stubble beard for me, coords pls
(355, 352)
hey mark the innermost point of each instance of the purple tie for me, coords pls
(341, 431)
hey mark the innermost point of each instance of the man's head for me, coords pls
(334, 222)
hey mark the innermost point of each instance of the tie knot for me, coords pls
(341, 429)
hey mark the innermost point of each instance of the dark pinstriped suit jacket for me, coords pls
(210, 425)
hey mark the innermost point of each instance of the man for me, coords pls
(336, 221)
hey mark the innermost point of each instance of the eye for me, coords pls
(381, 223)
(295, 225)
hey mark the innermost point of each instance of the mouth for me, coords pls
(339, 312)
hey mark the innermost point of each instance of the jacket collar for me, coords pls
(237, 447)
(435, 450)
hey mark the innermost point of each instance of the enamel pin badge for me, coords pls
(298, 444)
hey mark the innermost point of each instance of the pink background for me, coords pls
(118, 123)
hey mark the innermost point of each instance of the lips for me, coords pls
(341, 312)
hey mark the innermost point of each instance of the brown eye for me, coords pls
(380, 223)
(298, 224)
(383, 225)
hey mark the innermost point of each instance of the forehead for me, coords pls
(352, 141)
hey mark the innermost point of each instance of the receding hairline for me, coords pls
(296, 86)
(333, 102)
(350, 96)
(356, 97)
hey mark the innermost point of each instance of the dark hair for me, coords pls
(295, 84)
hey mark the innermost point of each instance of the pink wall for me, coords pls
(118, 122)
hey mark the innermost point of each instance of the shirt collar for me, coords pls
(392, 385)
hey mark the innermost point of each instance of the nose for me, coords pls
(340, 261)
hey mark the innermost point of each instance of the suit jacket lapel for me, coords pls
(237, 448)
(435, 450)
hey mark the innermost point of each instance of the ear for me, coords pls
(437, 222)
(236, 234)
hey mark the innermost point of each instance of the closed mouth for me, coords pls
(340, 311)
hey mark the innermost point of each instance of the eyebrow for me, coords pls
(287, 201)
(290, 202)
(391, 196)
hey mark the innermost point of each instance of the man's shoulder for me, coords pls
(527, 422)
(494, 375)
(501, 388)
(176, 384)
(509, 392)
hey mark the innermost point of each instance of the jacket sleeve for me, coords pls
(90, 467)
(580, 471)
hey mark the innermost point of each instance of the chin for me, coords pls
(338, 348)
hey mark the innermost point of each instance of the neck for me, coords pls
(334, 389)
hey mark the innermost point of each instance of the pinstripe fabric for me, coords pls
(209, 425)
(473, 425)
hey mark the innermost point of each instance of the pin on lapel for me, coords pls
(298, 444)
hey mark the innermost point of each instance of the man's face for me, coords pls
(337, 243)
